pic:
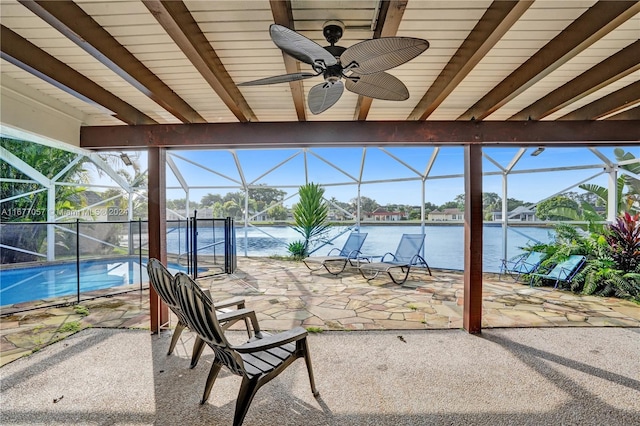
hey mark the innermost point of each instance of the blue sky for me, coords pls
(286, 170)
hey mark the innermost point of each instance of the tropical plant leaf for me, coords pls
(603, 193)
(566, 212)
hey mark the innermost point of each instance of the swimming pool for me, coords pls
(49, 281)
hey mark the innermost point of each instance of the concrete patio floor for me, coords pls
(509, 376)
(286, 294)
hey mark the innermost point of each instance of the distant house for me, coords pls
(520, 213)
(383, 215)
(445, 215)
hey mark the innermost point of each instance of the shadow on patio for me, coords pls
(586, 376)
(285, 294)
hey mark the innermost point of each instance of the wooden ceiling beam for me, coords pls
(283, 15)
(623, 63)
(177, 21)
(75, 24)
(496, 21)
(629, 114)
(590, 27)
(36, 61)
(362, 134)
(390, 14)
(609, 104)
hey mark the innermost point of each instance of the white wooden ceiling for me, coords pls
(237, 32)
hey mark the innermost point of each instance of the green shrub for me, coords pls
(613, 257)
(623, 237)
(81, 310)
(70, 327)
(298, 250)
(615, 269)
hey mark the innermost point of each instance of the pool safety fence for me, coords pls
(210, 243)
(94, 259)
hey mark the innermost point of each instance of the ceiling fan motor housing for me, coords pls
(332, 31)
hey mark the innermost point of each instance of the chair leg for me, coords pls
(198, 347)
(176, 335)
(312, 269)
(424, 263)
(307, 361)
(406, 275)
(248, 389)
(336, 272)
(369, 277)
(211, 378)
(247, 324)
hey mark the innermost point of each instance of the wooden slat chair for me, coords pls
(258, 361)
(563, 271)
(337, 258)
(523, 264)
(163, 283)
(407, 255)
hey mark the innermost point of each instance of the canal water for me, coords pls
(443, 246)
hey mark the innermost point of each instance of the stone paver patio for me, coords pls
(285, 294)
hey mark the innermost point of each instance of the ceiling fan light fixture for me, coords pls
(126, 160)
(538, 151)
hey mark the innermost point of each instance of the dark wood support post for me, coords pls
(159, 312)
(472, 316)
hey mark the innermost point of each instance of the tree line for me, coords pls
(268, 200)
(589, 205)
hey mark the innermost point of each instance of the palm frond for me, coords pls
(601, 192)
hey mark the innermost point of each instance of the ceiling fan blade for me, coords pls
(381, 54)
(300, 47)
(286, 78)
(322, 96)
(380, 85)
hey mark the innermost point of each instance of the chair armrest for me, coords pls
(354, 254)
(234, 301)
(272, 341)
(513, 261)
(238, 315)
(537, 274)
(368, 257)
(531, 267)
(385, 255)
(331, 251)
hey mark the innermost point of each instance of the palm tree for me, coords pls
(48, 161)
(34, 207)
(310, 216)
(627, 202)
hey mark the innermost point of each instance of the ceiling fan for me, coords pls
(362, 65)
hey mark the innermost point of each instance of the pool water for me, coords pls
(49, 281)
